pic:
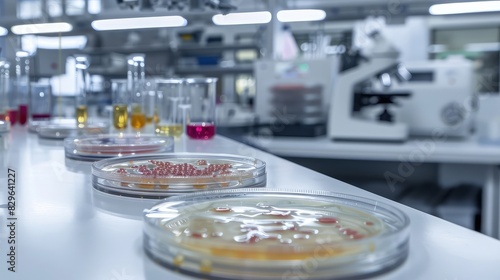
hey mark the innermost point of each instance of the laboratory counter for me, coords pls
(64, 229)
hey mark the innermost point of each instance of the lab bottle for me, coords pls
(200, 118)
(82, 85)
(22, 85)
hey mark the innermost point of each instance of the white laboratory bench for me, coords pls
(67, 230)
(414, 152)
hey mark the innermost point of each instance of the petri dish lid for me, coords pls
(162, 175)
(116, 145)
(273, 233)
(4, 127)
(64, 130)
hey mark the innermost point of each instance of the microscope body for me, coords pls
(343, 122)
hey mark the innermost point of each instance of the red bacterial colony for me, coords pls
(157, 168)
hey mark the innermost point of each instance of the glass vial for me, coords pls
(136, 77)
(82, 85)
(120, 99)
(22, 85)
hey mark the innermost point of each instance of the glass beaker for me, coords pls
(22, 84)
(40, 101)
(168, 99)
(120, 99)
(200, 120)
(82, 85)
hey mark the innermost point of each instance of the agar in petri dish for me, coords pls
(265, 234)
(162, 175)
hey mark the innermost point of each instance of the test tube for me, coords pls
(82, 84)
(120, 99)
(136, 81)
(22, 84)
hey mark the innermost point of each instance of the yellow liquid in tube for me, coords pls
(120, 116)
(81, 116)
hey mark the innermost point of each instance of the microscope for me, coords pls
(354, 91)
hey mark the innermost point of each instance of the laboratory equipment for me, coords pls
(62, 130)
(292, 97)
(150, 107)
(444, 97)
(82, 85)
(109, 145)
(120, 99)
(40, 102)
(162, 175)
(22, 85)
(200, 117)
(268, 233)
(169, 95)
(136, 77)
(4, 90)
(353, 91)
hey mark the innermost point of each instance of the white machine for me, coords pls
(443, 100)
(345, 122)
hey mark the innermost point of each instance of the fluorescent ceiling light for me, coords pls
(242, 18)
(138, 23)
(38, 28)
(65, 42)
(465, 7)
(301, 15)
(3, 31)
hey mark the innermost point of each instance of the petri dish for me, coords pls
(276, 234)
(116, 145)
(4, 127)
(35, 124)
(64, 130)
(163, 175)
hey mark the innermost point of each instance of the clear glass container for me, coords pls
(62, 130)
(276, 234)
(162, 175)
(200, 120)
(40, 102)
(82, 84)
(169, 96)
(4, 90)
(136, 77)
(120, 99)
(106, 146)
(22, 85)
(150, 108)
